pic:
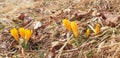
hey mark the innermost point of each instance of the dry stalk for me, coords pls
(100, 34)
(116, 52)
(117, 26)
(92, 28)
(23, 53)
(61, 49)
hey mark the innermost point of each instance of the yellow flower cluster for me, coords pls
(97, 30)
(24, 33)
(71, 26)
(88, 32)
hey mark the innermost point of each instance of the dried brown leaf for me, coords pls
(21, 16)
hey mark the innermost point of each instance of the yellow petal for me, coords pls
(97, 28)
(14, 33)
(28, 34)
(22, 32)
(74, 27)
(67, 24)
(88, 32)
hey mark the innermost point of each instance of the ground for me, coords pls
(50, 38)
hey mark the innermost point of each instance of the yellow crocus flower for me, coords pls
(97, 28)
(88, 32)
(28, 34)
(67, 24)
(74, 28)
(14, 33)
(22, 32)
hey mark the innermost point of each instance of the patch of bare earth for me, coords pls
(50, 38)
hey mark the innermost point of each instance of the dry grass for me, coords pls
(50, 13)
